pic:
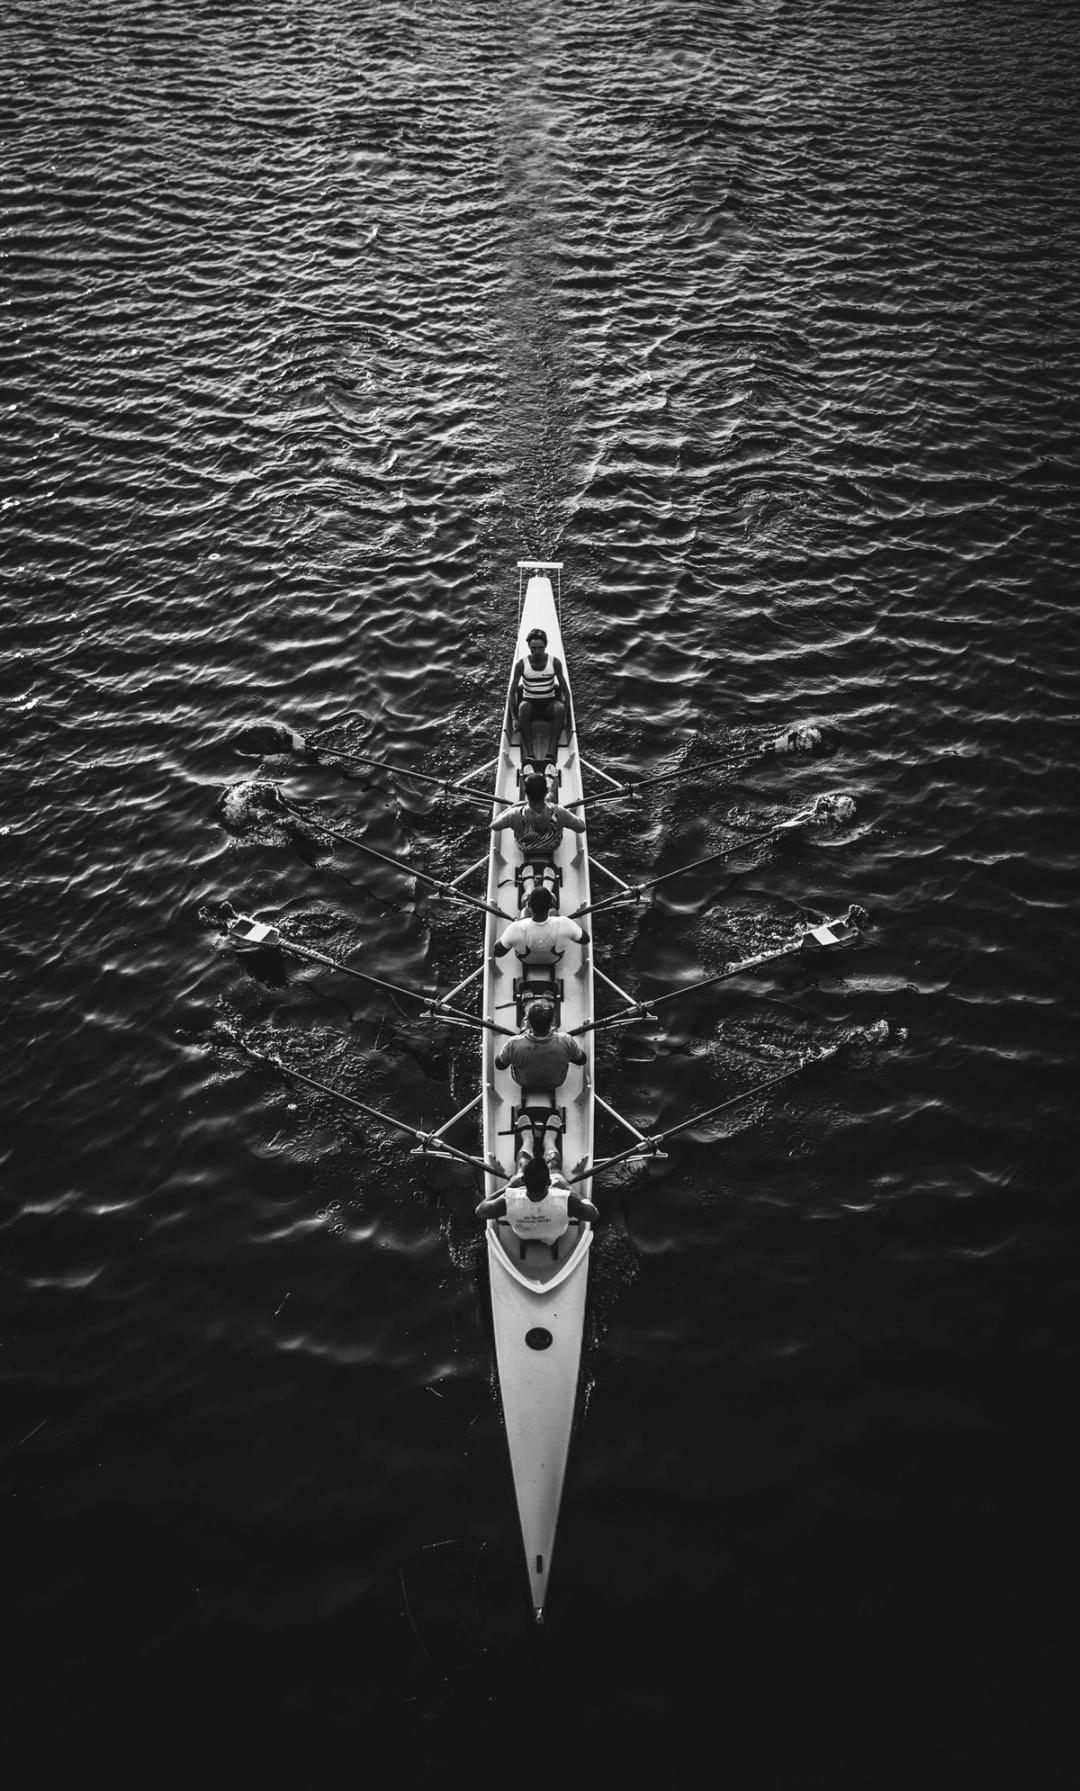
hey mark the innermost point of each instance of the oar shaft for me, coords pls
(729, 763)
(747, 1094)
(650, 1145)
(419, 777)
(386, 1119)
(436, 1004)
(667, 777)
(636, 890)
(723, 976)
(644, 1010)
(750, 839)
(398, 864)
(439, 1008)
(335, 1093)
(320, 957)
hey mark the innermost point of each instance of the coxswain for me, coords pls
(540, 937)
(539, 692)
(538, 1057)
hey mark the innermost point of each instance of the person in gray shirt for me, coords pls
(538, 1057)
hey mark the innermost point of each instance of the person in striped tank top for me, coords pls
(538, 823)
(539, 692)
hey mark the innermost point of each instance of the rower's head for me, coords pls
(538, 1018)
(536, 787)
(536, 640)
(540, 901)
(537, 1178)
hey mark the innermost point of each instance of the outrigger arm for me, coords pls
(636, 1010)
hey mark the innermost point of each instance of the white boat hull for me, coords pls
(538, 1297)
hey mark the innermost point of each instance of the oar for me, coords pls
(275, 736)
(446, 890)
(424, 1139)
(635, 891)
(445, 784)
(788, 742)
(248, 934)
(830, 932)
(651, 1144)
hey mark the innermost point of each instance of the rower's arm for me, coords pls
(576, 823)
(515, 687)
(503, 820)
(578, 1208)
(560, 679)
(492, 1208)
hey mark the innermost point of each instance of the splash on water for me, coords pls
(833, 811)
(862, 1043)
(803, 738)
(215, 916)
(251, 804)
(269, 737)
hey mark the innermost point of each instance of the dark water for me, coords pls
(764, 318)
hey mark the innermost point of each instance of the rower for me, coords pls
(538, 1057)
(538, 1203)
(539, 692)
(540, 937)
(538, 825)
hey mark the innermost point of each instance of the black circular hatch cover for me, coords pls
(538, 1338)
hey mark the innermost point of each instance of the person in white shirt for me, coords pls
(538, 1201)
(540, 937)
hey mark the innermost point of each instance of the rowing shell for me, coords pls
(537, 1290)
